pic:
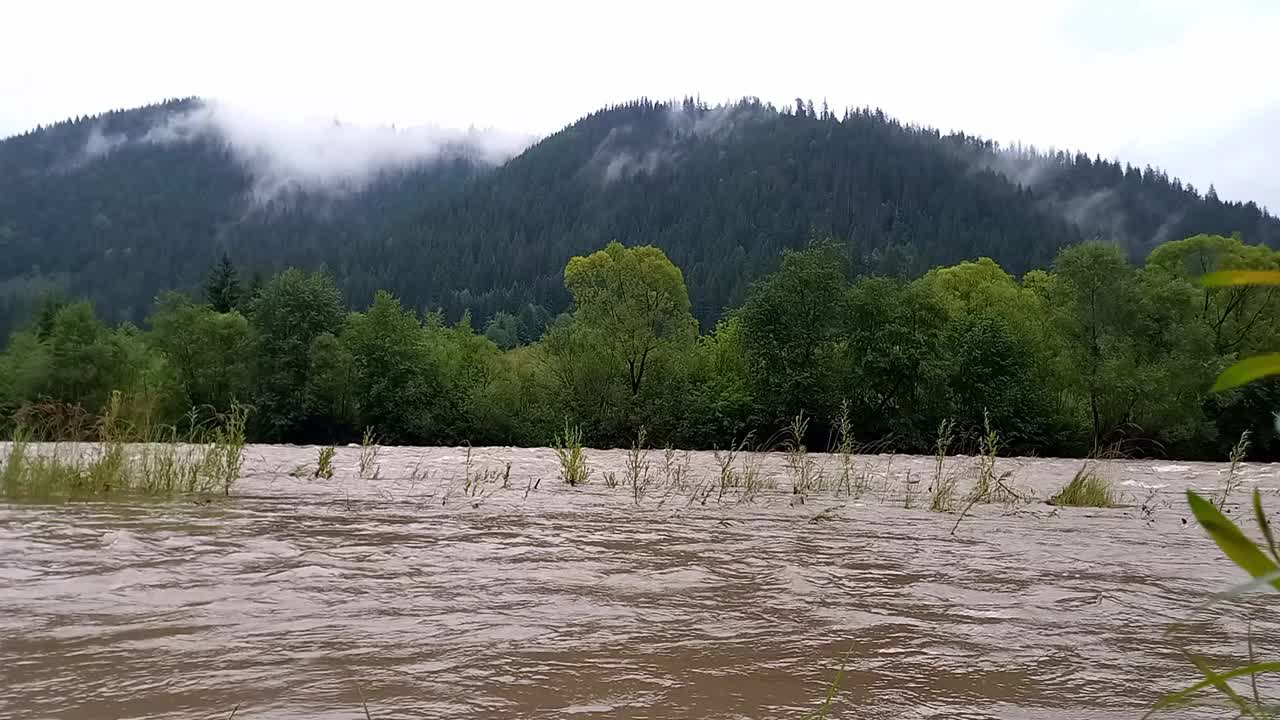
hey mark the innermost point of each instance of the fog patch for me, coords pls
(327, 156)
(627, 151)
(99, 144)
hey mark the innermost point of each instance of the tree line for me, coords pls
(722, 189)
(1090, 353)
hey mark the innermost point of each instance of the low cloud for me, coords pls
(99, 144)
(626, 151)
(326, 156)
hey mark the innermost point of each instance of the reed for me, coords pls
(845, 449)
(324, 463)
(638, 467)
(806, 476)
(988, 487)
(1088, 488)
(130, 456)
(574, 469)
(942, 489)
(675, 472)
(1233, 480)
(369, 449)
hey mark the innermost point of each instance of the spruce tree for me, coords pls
(222, 287)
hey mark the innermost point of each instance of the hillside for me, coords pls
(109, 209)
(98, 207)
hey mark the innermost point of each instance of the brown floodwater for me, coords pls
(425, 598)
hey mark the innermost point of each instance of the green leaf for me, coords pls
(1229, 278)
(1264, 523)
(1241, 550)
(1217, 680)
(1248, 370)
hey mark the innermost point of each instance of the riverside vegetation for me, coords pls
(1066, 361)
(125, 457)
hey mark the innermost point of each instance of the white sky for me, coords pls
(1187, 85)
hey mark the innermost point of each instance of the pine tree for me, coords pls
(222, 287)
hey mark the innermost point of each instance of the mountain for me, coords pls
(118, 207)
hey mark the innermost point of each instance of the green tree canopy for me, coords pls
(290, 312)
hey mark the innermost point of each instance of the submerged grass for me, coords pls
(806, 475)
(638, 467)
(573, 458)
(128, 457)
(942, 489)
(369, 449)
(324, 462)
(740, 472)
(1087, 489)
(1238, 451)
(989, 487)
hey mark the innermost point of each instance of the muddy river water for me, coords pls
(418, 594)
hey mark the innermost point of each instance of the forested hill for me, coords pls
(86, 207)
(723, 189)
(119, 206)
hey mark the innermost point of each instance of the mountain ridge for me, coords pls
(90, 207)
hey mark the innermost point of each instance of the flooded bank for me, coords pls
(440, 584)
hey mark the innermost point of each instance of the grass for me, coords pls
(740, 471)
(1238, 451)
(369, 450)
(323, 469)
(1262, 563)
(942, 489)
(483, 483)
(574, 469)
(988, 487)
(806, 476)
(845, 449)
(675, 473)
(637, 468)
(324, 463)
(128, 457)
(1087, 489)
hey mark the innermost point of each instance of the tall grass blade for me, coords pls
(1215, 680)
(821, 711)
(1241, 550)
(1264, 523)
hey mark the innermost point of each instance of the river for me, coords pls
(413, 594)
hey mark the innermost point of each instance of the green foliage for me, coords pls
(628, 340)
(1090, 353)
(1260, 563)
(129, 458)
(503, 330)
(395, 379)
(788, 323)
(574, 469)
(211, 352)
(1088, 488)
(330, 389)
(324, 463)
(289, 313)
(723, 190)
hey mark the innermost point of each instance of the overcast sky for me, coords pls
(1190, 86)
